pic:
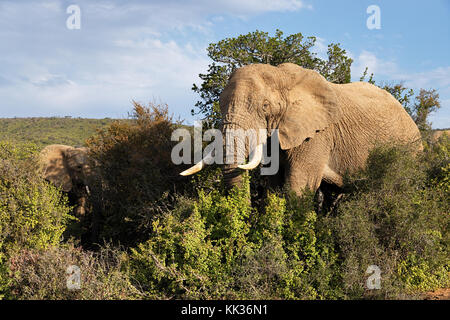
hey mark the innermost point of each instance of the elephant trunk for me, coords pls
(234, 155)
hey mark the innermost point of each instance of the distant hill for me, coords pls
(55, 130)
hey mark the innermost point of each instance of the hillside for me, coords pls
(54, 130)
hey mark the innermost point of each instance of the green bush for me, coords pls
(194, 247)
(219, 247)
(394, 215)
(137, 179)
(33, 213)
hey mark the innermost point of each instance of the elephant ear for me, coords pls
(311, 106)
(54, 166)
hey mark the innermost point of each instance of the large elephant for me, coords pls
(325, 130)
(70, 169)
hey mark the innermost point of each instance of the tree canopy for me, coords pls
(259, 47)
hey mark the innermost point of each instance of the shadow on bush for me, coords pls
(135, 173)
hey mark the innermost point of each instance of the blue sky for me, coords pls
(154, 50)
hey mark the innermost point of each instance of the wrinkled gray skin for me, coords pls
(70, 169)
(325, 129)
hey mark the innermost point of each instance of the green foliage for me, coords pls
(418, 274)
(33, 214)
(258, 47)
(46, 131)
(437, 158)
(219, 247)
(394, 214)
(136, 176)
(194, 247)
(426, 102)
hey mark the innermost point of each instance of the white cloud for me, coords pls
(320, 48)
(126, 49)
(379, 67)
(259, 6)
(439, 78)
(389, 71)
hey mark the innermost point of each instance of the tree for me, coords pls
(401, 93)
(258, 47)
(426, 102)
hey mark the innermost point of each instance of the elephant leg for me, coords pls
(305, 171)
(308, 165)
(80, 211)
(319, 200)
(299, 178)
(81, 207)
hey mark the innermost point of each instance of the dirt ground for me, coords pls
(440, 294)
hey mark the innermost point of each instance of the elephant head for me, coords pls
(68, 168)
(296, 101)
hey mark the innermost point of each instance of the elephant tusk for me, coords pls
(88, 190)
(196, 168)
(255, 158)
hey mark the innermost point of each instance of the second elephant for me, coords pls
(70, 169)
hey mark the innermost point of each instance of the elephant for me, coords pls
(325, 130)
(69, 169)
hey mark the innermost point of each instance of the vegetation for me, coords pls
(394, 215)
(42, 274)
(45, 131)
(136, 173)
(33, 214)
